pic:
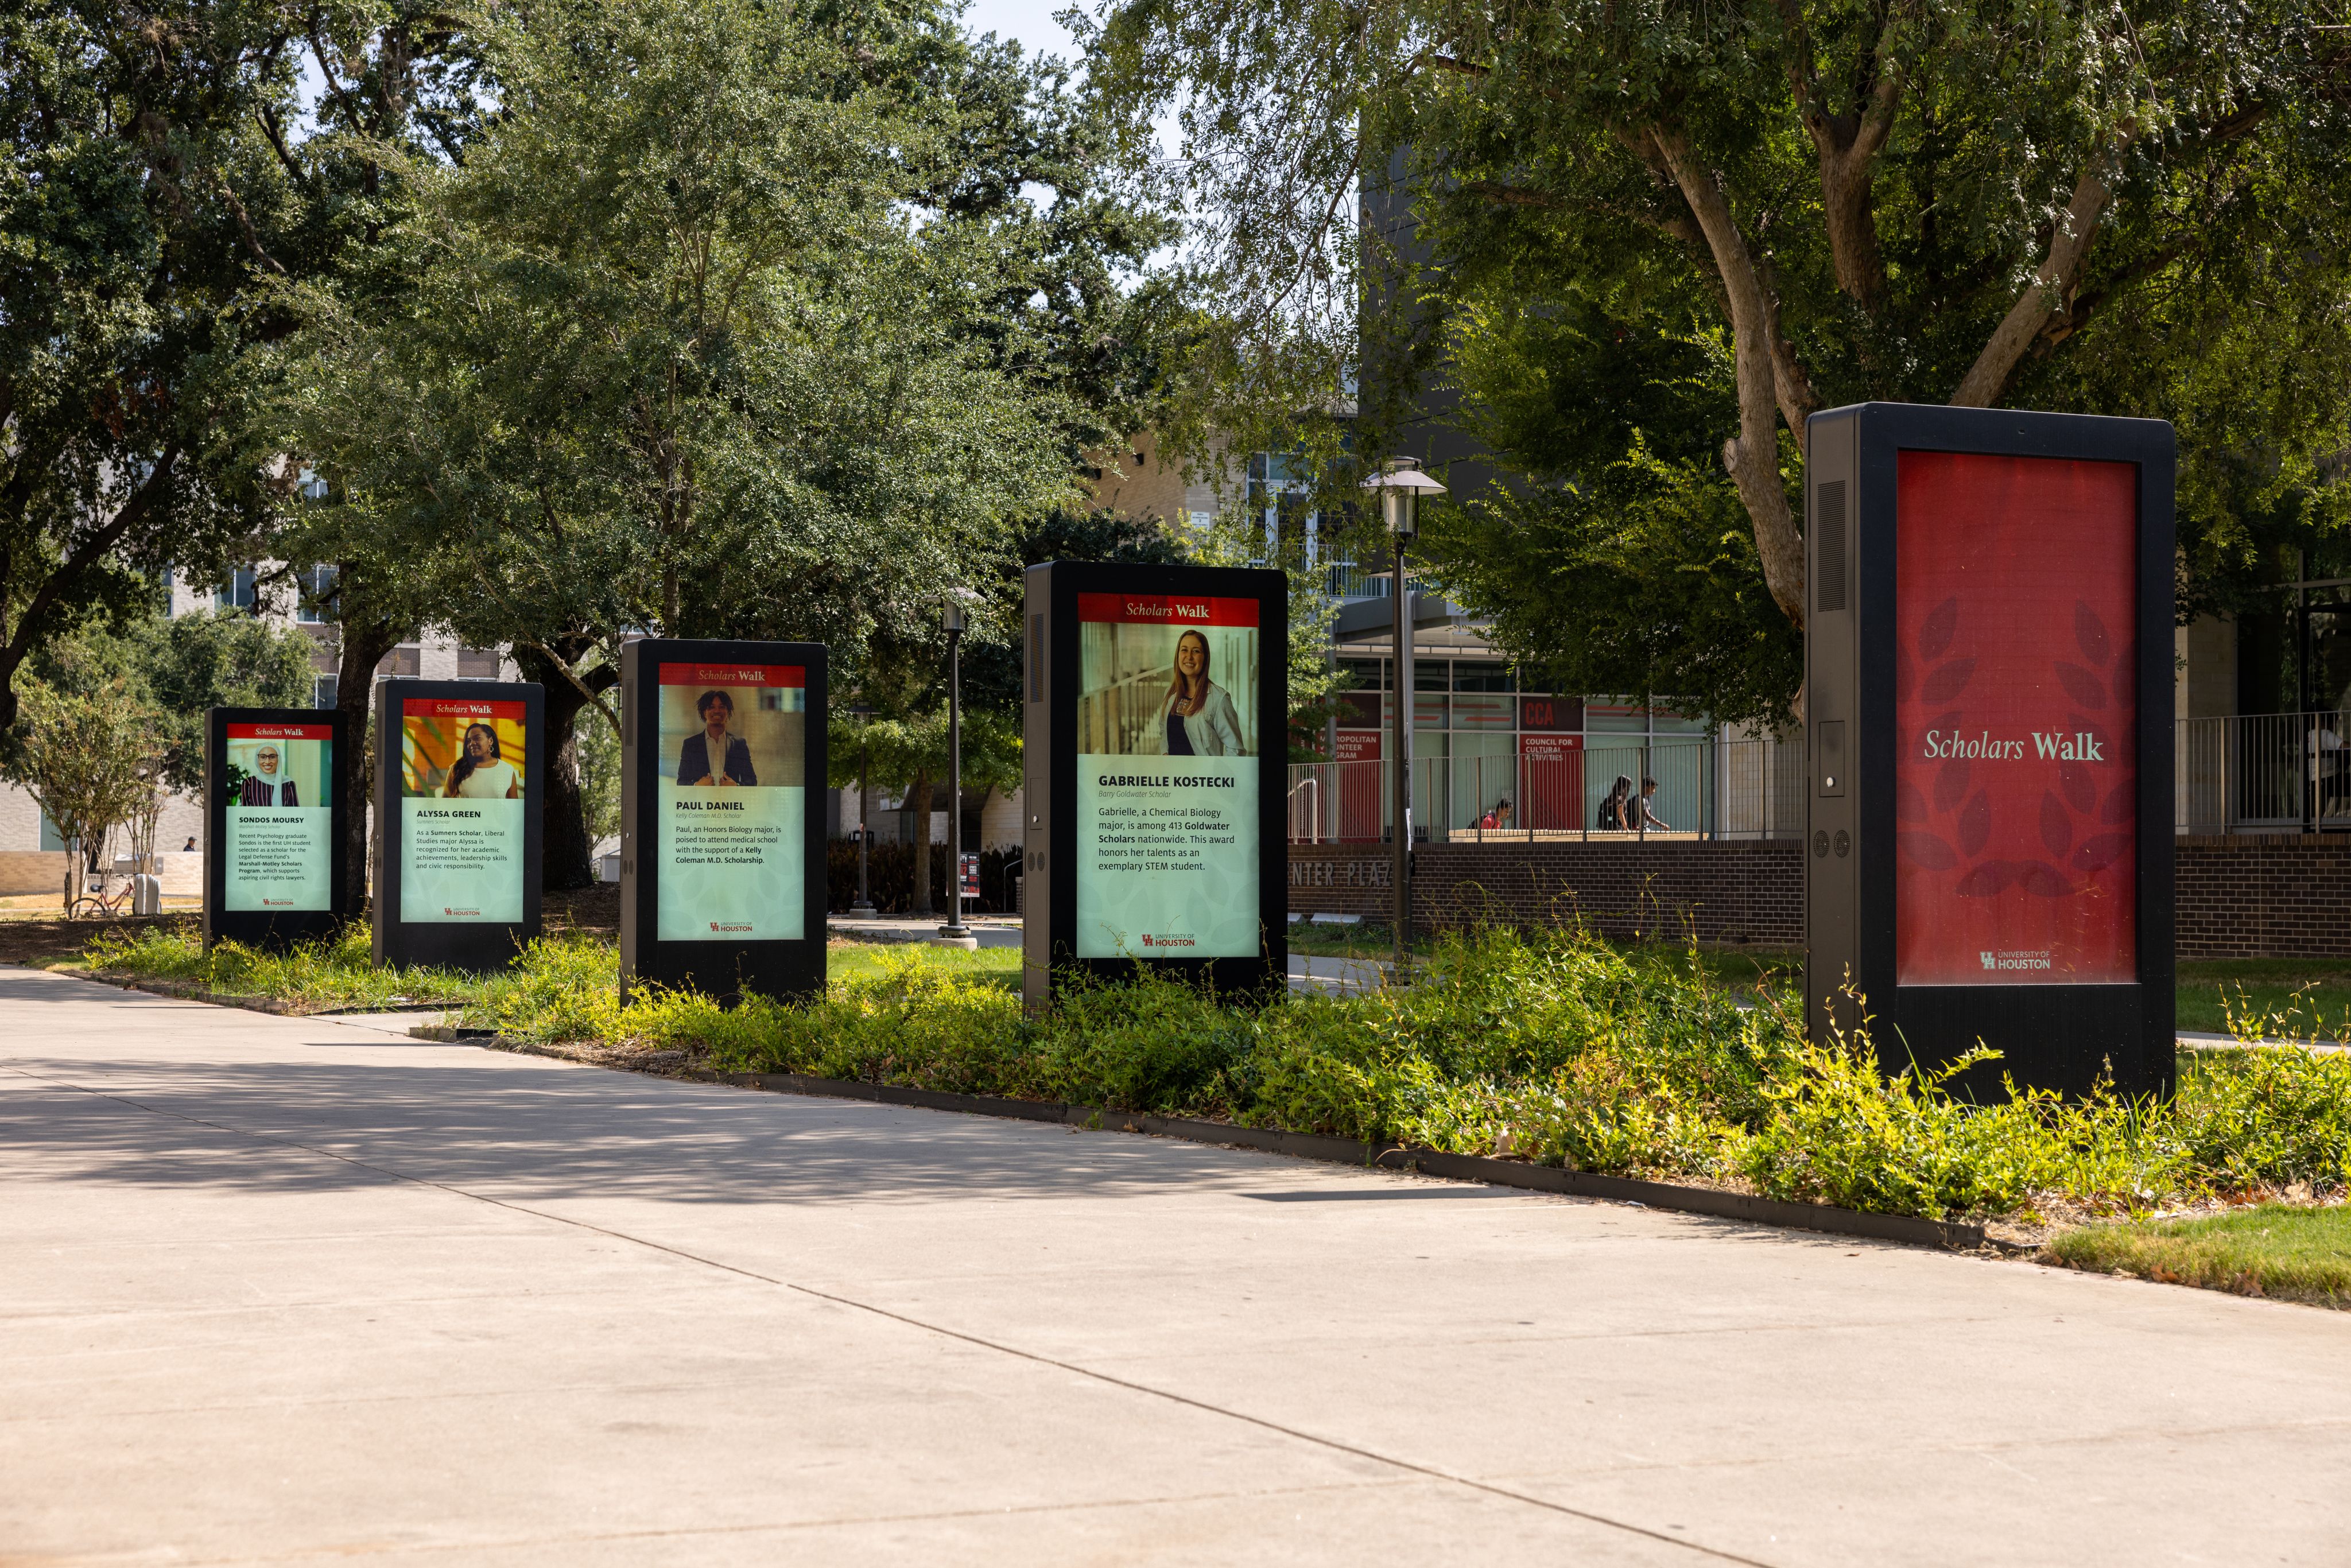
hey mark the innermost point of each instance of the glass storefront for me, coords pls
(1484, 751)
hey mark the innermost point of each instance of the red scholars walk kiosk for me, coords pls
(1988, 692)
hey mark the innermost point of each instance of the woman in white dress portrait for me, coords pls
(1197, 718)
(482, 773)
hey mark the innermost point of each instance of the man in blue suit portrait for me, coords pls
(693, 765)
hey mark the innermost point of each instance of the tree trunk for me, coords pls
(919, 799)
(365, 642)
(1752, 456)
(563, 807)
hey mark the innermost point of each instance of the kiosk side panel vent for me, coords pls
(1828, 518)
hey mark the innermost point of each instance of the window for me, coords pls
(318, 585)
(404, 661)
(323, 690)
(237, 593)
(477, 664)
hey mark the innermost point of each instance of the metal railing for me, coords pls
(2253, 773)
(1705, 790)
(2263, 773)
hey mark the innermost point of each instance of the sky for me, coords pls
(1031, 21)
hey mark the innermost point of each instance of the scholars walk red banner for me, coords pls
(2016, 713)
(734, 674)
(1166, 609)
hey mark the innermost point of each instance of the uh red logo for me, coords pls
(714, 926)
(1146, 938)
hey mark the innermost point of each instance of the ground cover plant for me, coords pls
(1554, 1047)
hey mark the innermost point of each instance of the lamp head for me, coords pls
(1400, 485)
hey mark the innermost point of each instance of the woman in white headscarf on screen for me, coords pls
(1197, 718)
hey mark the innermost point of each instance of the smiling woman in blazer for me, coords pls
(1197, 718)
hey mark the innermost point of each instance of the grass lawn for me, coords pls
(2269, 985)
(2295, 1254)
(863, 961)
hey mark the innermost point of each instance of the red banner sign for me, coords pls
(2016, 708)
(281, 732)
(1166, 609)
(734, 675)
(460, 707)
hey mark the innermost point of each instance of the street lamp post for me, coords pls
(863, 908)
(954, 932)
(1400, 485)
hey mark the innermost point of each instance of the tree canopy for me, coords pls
(1645, 243)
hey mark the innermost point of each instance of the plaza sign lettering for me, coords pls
(2052, 745)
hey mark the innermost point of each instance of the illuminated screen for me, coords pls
(1168, 738)
(731, 794)
(463, 814)
(2016, 611)
(278, 820)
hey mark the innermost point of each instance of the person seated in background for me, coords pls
(1499, 817)
(1615, 814)
(1643, 814)
(190, 847)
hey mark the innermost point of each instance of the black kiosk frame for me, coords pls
(2060, 1036)
(482, 947)
(1050, 772)
(724, 968)
(275, 930)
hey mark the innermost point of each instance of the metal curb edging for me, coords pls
(1946, 1234)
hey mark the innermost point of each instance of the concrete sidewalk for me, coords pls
(306, 1291)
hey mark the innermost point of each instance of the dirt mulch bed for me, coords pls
(42, 940)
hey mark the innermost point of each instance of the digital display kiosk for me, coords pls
(722, 842)
(1989, 691)
(277, 805)
(1154, 748)
(458, 783)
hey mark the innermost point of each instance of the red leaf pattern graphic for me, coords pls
(1946, 681)
(1935, 632)
(2090, 634)
(1986, 879)
(2041, 878)
(1975, 825)
(1999, 560)
(1926, 851)
(2056, 824)
(2081, 790)
(2096, 854)
(1951, 784)
(2082, 685)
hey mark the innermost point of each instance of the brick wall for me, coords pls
(2287, 897)
(2240, 897)
(1731, 891)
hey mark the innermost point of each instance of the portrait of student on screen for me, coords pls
(1196, 716)
(483, 773)
(713, 755)
(264, 787)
